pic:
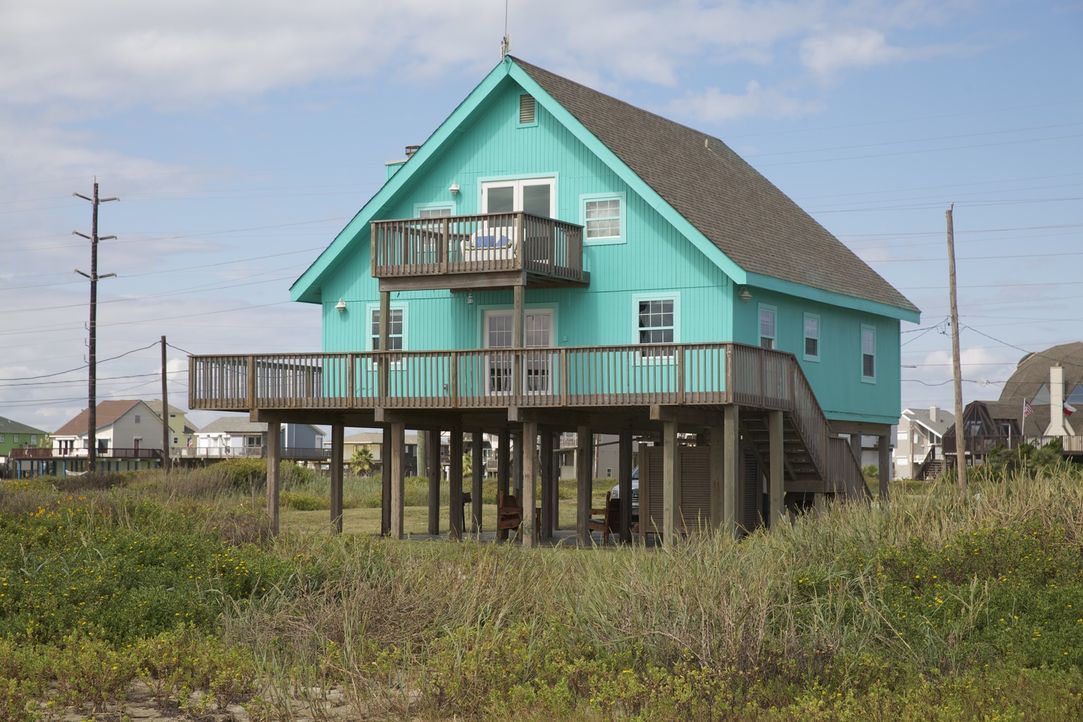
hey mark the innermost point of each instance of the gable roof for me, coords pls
(741, 212)
(944, 419)
(234, 425)
(10, 426)
(738, 218)
(108, 412)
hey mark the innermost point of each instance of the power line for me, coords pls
(78, 368)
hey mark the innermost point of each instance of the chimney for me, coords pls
(411, 149)
(1058, 426)
(934, 414)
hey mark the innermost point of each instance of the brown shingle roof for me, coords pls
(108, 412)
(737, 209)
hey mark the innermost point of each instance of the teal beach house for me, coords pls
(553, 259)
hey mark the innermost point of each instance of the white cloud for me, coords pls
(712, 105)
(170, 54)
(827, 54)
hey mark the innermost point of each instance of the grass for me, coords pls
(936, 608)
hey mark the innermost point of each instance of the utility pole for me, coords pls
(167, 460)
(960, 427)
(92, 408)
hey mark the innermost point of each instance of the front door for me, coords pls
(537, 333)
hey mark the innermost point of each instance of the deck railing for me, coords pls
(297, 453)
(844, 469)
(591, 376)
(114, 453)
(487, 243)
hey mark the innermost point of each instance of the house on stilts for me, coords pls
(553, 259)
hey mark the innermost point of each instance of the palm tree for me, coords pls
(361, 463)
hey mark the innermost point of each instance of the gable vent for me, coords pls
(526, 109)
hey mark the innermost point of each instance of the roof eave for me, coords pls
(821, 295)
(306, 288)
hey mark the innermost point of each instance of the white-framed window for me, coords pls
(396, 329)
(868, 353)
(137, 419)
(536, 196)
(768, 326)
(657, 322)
(603, 218)
(538, 332)
(434, 210)
(812, 337)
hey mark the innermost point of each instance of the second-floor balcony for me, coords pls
(484, 251)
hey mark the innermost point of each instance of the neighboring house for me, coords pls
(125, 429)
(919, 450)
(231, 437)
(1036, 406)
(16, 435)
(128, 435)
(180, 431)
(374, 441)
(604, 458)
(554, 258)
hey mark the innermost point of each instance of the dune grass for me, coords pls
(937, 607)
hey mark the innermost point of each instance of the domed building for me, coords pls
(1036, 405)
(1030, 381)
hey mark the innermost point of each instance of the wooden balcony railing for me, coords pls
(495, 242)
(115, 453)
(593, 376)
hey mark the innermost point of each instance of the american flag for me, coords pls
(1027, 409)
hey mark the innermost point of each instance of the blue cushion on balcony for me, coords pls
(491, 241)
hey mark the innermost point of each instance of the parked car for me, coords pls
(614, 493)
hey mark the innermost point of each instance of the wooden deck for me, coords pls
(593, 377)
(491, 250)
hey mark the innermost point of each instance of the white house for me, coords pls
(235, 436)
(125, 429)
(919, 446)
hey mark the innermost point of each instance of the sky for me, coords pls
(241, 136)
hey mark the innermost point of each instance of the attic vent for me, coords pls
(526, 110)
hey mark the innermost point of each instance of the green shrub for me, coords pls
(301, 501)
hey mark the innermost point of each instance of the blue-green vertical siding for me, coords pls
(836, 377)
(655, 258)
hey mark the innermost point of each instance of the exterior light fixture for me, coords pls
(341, 305)
(454, 188)
(470, 298)
(745, 294)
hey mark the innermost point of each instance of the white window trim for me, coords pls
(622, 216)
(875, 360)
(443, 205)
(639, 298)
(517, 182)
(804, 335)
(485, 312)
(759, 325)
(369, 309)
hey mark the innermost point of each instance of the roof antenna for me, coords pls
(505, 42)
